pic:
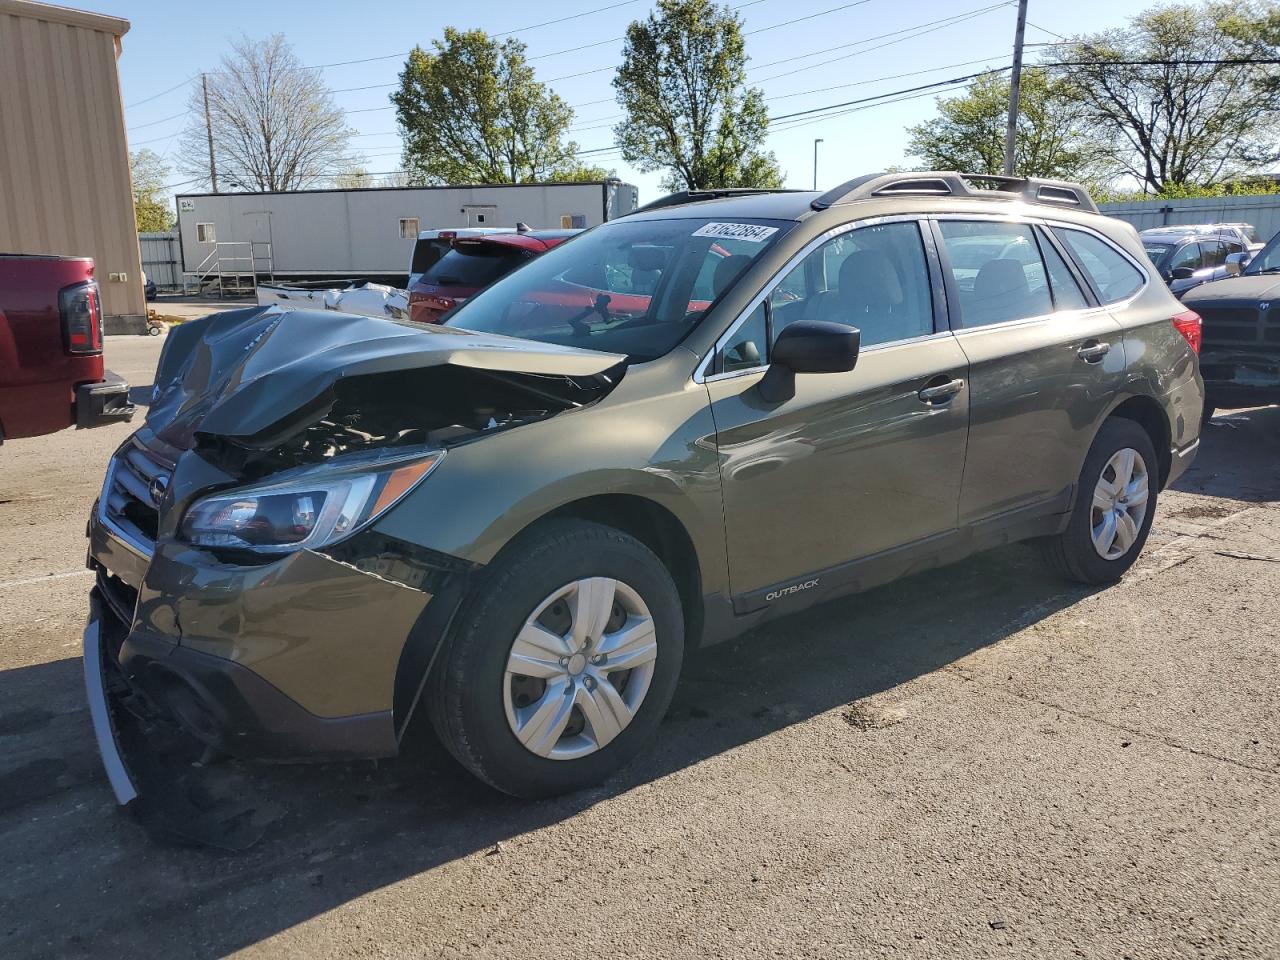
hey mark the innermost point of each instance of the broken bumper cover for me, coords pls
(301, 659)
(102, 402)
(101, 709)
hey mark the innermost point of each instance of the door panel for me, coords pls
(854, 464)
(1034, 404)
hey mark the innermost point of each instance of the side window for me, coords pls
(1111, 272)
(205, 234)
(1188, 255)
(1062, 284)
(873, 278)
(1215, 253)
(997, 270)
(749, 345)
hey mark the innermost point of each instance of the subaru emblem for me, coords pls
(1265, 304)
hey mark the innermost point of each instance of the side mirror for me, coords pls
(1236, 262)
(1182, 273)
(808, 346)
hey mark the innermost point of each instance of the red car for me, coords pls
(51, 371)
(472, 264)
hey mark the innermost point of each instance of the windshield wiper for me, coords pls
(1263, 270)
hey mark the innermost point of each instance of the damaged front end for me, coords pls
(1240, 351)
(245, 595)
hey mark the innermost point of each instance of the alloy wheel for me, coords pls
(1119, 504)
(579, 668)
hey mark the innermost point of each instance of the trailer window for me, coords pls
(204, 233)
(408, 228)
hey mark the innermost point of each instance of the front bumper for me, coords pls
(103, 401)
(308, 657)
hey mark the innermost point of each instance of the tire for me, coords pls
(1073, 553)
(476, 703)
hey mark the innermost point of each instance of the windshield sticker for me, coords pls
(751, 232)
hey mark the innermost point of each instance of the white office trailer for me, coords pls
(368, 234)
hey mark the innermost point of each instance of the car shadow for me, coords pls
(1239, 457)
(336, 831)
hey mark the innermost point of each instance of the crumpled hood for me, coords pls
(236, 373)
(1258, 287)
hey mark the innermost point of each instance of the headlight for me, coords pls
(306, 509)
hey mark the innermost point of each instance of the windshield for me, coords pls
(1268, 258)
(1157, 251)
(635, 287)
(473, 265)
(427, 252)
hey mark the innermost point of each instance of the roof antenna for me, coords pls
(522, 227)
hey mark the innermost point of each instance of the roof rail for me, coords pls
(711, 193)
(973, 186)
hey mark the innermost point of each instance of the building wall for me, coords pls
(64, 161)
(356, 232)
(1262, 212)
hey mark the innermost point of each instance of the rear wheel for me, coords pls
(563, 662)
(1115, 504)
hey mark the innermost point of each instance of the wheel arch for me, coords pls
(658, 529)
(1149, 415)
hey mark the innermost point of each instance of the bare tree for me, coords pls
(274, 123)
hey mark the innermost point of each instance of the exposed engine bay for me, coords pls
(436, 407)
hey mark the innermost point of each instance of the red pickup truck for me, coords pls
(51, 372)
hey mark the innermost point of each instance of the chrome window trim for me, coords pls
(700, 374)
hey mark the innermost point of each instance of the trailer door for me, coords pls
(481, 214)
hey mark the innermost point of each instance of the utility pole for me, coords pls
(815, 163)
(1015, 87)
(208, 129)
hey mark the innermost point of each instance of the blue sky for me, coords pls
(884, 45)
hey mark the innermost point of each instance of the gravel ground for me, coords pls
(975, 762)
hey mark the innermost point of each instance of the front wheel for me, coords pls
(563, 661)
(1115, 504)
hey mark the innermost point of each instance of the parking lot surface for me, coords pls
(978, 761)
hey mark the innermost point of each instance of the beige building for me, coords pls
(64, 159)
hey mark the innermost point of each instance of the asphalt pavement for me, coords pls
(981, 761)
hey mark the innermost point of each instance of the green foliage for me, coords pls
(969, 132)
(151, 208)
(471, 111)
(1182, 191)
(1178, 123)
(682, 83)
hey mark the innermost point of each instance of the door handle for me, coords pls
(942, 392)
(1093, 352)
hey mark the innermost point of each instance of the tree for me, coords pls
(682, 83)
(1178, 120)
(275, 125)
(354, 178)
(968, 133)
(151, 206)
(471, 111)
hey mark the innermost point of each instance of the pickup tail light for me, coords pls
(81, 308)
(1188, 324)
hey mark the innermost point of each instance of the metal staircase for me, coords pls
(232, 267)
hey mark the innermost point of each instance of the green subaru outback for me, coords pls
(709, 413)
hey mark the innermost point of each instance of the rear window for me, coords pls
(1111, 272)
(426, 253)
(473, 265)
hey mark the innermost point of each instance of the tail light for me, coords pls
(81, 310)
(1187, 323)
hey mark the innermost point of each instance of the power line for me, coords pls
(931, 28)
(892, 33)
(1046, 30)
(549, 23)
(812, 16)
(154, 122)
(157, 96)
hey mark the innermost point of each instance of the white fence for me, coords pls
(1262, 212)
(162, 258)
